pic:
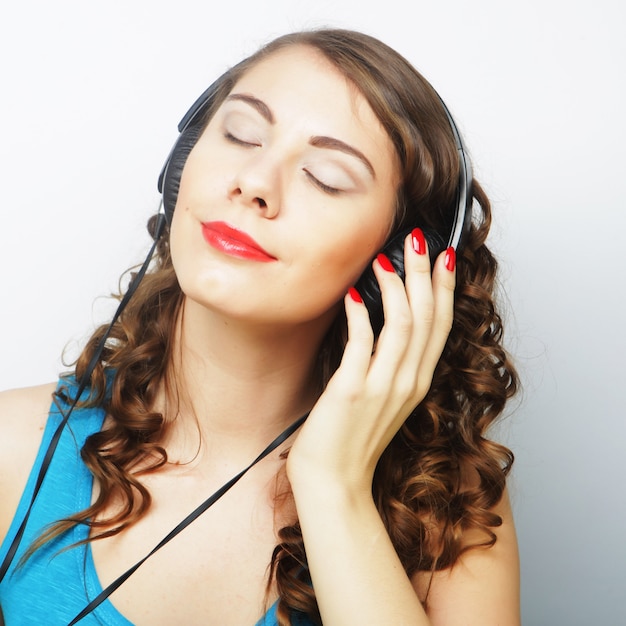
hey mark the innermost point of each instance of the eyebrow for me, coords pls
(330, 143)
(255, 103)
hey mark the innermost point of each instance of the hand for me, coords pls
(378, 384)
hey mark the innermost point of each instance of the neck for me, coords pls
(240, 385)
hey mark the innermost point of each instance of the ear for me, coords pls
(367, 285)
(174, 170)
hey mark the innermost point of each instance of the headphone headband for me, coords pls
(464, 198)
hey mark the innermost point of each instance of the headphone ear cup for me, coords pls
(178, 157)
(367, 285)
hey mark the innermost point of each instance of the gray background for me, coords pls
(92, 92)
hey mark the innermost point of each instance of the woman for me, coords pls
(304, 161)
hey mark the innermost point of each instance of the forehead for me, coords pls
(301, 70)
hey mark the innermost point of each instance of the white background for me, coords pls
(90, 96)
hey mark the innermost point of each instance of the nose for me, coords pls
(256, 185)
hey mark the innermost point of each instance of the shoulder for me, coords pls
(23, 415)
(483, 586)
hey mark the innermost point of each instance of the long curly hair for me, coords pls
(440, 476)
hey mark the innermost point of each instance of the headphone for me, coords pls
(190, 128)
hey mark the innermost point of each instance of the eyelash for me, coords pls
(229, 137)
(333, 191)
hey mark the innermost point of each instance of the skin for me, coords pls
(246, 345)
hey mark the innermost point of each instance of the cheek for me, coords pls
(181, 227)
(189, 252)
(179, 246)
(361, 239)
(339, 263)
(206, 173)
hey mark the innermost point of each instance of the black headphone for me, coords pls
(191, 127)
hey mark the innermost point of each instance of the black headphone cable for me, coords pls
(194, 515)
(85, 378)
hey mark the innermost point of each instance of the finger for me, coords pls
(419, 289)
(410, 379)
(358, 350)
(398, 327)
(444, 283)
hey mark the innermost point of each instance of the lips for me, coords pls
(233, 242)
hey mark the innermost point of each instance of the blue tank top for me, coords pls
(53, 586)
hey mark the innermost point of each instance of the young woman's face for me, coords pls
(287, 195)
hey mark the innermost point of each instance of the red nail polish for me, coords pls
(385, 263)
(355, 295)
(418, 241)
(450, 259)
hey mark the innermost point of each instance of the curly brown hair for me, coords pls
(440, 476)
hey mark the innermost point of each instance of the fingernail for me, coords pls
(385, 263)
(450, 259)
(355, 295)
(418, 241)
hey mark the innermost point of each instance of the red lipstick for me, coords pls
(234, 242)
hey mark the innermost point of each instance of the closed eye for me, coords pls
(323, 186)
(240, 142)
